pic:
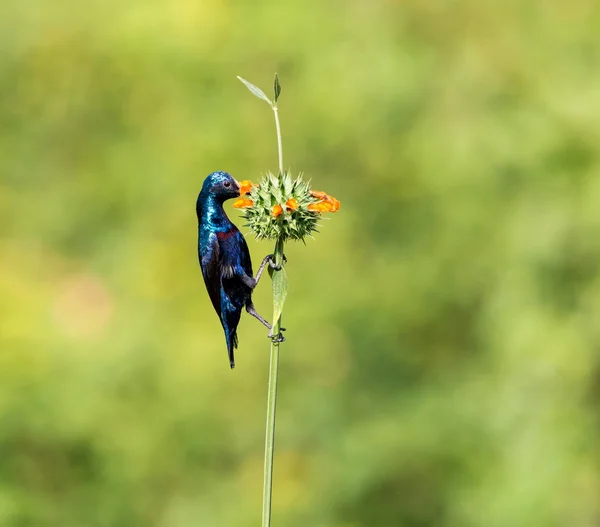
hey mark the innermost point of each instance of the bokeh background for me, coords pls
(442, 364)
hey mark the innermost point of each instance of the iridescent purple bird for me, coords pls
(225, 259)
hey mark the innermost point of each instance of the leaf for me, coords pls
(288, 185)
(276, 87)
(274, 181)
(280, 287)
(255, 90)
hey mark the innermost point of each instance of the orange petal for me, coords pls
(321, 206)
(242, 203)
(318, 194)
(276, 211)
(327, 203)
(291, 204)
(245, 186)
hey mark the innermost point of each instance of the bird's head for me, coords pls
(221, 185)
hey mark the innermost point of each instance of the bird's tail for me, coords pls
(232, 343)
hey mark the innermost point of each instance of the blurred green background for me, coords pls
(442, 364)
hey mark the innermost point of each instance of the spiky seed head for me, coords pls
(280, 208)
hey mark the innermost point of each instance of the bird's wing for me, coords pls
(235, 262)
(210, 264)
(243, 253)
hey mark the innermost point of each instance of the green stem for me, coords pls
(279, 143)
(271, 406)
(273, 367)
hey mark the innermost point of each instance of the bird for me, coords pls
(225, 259)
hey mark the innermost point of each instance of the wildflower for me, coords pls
(290, 201)
(245, 187)
(242, 203)
(326, 202)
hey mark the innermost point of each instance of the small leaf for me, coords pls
(280, 287)
(276, 87)
(288, 185)
(256, 91)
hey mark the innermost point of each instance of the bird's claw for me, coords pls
(272, 264)
(276, 339)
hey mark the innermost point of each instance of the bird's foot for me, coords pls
(272, 263)
(276, 339)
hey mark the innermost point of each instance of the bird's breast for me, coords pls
(221, 236)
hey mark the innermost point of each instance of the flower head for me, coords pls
(245, 186)
(242, 203)
(283, 207)
(326, 202)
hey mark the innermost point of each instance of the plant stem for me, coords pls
(271, 405)
(279, 143)
(273, 366)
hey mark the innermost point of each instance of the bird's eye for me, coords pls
(226, 184)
